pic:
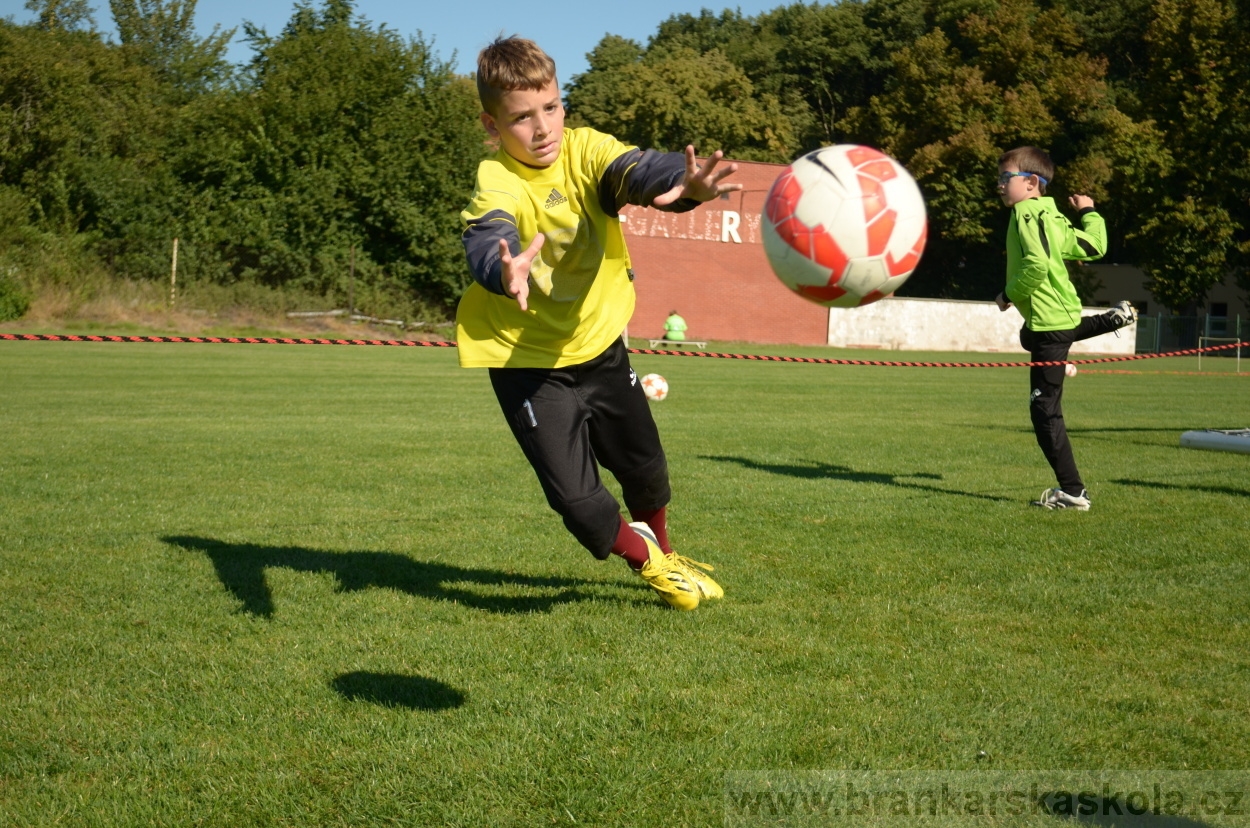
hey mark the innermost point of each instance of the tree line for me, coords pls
(340, 148)
(344, 145)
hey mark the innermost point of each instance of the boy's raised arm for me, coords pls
(667, 181)
(1089, 241)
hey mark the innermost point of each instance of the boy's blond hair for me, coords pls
(1030, 160)
(511, 63)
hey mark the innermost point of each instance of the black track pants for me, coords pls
(568, 422)
(1046, 394)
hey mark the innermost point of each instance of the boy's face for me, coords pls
(1015, 186)
(529, 124)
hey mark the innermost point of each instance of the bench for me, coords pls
(688, 343)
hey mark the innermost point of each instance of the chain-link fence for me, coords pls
(1163, 332)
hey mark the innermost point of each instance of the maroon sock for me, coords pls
(657, 519)
(630, 546)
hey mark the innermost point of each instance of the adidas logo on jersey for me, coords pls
(554, 200)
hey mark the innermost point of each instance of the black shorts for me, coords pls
(568, 422)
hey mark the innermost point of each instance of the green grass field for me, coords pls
(319, 586)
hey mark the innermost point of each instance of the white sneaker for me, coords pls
(1059, 499)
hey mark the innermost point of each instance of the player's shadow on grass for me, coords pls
(241, 569)
(396, 690)
(1151, 484)
(816, 470)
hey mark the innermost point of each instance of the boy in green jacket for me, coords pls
(1039, 239)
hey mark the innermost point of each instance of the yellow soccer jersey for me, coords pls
(581, 296)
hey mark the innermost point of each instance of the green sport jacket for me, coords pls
(1039, 239)
(675, 327)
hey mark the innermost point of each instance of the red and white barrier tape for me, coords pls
(411, 343)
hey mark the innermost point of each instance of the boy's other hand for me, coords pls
(1002, 301)
(701, 183)
(516, 269)
(1080, 202)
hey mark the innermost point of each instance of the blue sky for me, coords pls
(463, 29)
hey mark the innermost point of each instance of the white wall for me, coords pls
(948, 325)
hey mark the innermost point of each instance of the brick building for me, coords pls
(709, 265)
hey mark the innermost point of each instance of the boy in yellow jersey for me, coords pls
(552, 293)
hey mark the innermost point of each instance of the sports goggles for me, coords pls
(1004, 178)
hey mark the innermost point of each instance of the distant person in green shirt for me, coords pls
(674, 327)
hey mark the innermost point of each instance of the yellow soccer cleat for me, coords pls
(695, 571)
(665, 575)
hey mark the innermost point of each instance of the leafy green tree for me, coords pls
(62, 15)
(728, 32)
(681, 97)
(1195, 88)
(161, 33)
(80, 163)
(831, 59)
(1015, 74)
(1187, 250)
(592, 96)
(69, 106)
(1117, 32)
(341, 135)
(713, 99)
(818, 60)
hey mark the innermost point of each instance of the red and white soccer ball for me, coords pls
(655, 387)
(844, 226)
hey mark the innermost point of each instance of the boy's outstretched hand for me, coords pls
(516, 269)
(701, 183)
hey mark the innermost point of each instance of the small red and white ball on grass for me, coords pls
(655, 387)
(844, 226)
(1070, 369)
